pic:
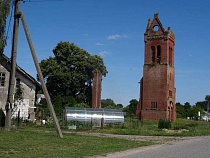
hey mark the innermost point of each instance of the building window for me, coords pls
(2, 79)
(158, 54)
(153, 53)
(153, 105)
(170, 93)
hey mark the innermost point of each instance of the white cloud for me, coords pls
(104, 53)
(99, 44)
(113, 37)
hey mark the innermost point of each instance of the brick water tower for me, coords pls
(157, 91)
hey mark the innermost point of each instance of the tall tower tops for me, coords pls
(157, 91)
(155, 28)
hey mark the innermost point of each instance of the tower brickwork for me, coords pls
(157, 91)
(96, 89)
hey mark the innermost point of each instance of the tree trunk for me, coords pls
(8, 119)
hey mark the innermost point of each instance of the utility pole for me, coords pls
(38, 69)
(11, 92)
(47, 96)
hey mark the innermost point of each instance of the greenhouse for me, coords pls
(94, 115)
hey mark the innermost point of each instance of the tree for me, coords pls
(69, 74)
(180, 111)
(207, 99)
(202, 104)
(108, 103)
(119, 106)
(4, 11)
(131, 108)
(187, 107)
(193, 112)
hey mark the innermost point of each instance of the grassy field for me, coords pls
(35, 141)
(150, 128)
(30, 142)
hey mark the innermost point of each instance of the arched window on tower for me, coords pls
(153, 53)
(158, 54)
(155, 28)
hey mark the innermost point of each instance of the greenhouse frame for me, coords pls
(90, 115)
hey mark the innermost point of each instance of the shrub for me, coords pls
(2, 118)
(164, 124)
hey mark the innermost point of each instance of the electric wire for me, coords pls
(39, 0)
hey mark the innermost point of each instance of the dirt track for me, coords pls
(157, 139)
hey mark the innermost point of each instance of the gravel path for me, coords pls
(158, 139)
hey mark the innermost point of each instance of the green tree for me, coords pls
(207, 99)
(108, 103)
(180, 111)
(193, 112)
(202, 104)
(131, 108)
(187, 107)
(69, 74)
(119, 106)
(81, 105)
(4, 11)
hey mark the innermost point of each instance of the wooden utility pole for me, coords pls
(47, 96)
(11, 92)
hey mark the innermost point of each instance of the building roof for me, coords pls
(8, 60)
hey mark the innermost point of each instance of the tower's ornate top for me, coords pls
(155, 15)
(155, 29)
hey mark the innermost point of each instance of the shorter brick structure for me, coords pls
(96, 89)
(157, 91)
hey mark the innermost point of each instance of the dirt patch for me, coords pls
(157, 139)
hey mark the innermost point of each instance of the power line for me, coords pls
(40, 0)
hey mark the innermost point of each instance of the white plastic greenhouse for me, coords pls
(90, 115)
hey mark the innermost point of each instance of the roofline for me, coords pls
(22, 71)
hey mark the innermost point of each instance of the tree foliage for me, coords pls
(186, 110)
(4, 11)
(108, 103)
(193, 112)
(69, 73)
(131, 108)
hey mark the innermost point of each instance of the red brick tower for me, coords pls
(157, 91)
(96, 89)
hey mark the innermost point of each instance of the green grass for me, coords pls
(150, 128)
(29, 142)
(34, 141)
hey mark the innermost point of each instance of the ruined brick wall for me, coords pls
(96, 89)
(158, 91)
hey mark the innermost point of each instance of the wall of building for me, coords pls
(29, 91)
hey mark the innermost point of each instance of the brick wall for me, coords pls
(157, 91)
(96, 89)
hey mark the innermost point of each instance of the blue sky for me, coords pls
(114, 29)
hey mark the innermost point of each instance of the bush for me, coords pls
(164, 124)
(2, 118)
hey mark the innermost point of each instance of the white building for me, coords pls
(28, 84)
